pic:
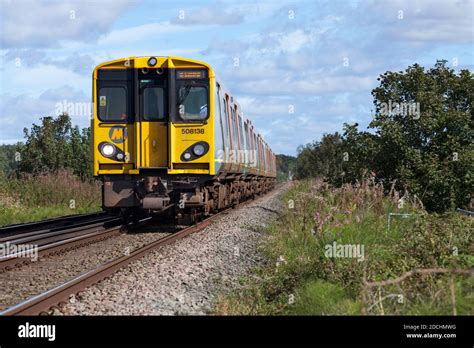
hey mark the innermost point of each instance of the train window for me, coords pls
(252, 140)
(192, 103)
(113, 104)
(153, 104)
(256, 148)
(246, 130)
(226, 124)
(241, 134)
(234, 128)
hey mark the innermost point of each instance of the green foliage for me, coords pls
(40, 179)
(320, 158)
(319, 297)
(9, 157)
(29, 197)
(425, 146)
(285, 165)
(298, 267)
(56, 145)
(433, 155)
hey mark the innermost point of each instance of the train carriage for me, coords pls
(167, 136)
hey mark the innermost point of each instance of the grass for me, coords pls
(300, 277)
(37, 197)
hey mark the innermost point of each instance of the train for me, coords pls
(168, 137)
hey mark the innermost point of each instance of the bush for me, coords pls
(299, 268)
(29, 197)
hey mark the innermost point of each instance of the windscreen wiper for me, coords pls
(186, 92)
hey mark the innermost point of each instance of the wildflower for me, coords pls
(317, 218)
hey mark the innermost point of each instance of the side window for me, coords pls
(256, 149)
(266, 158)
(226, 123)
(153, 106)
(112, 103)
(234, 130)
(219, 116)
(241, 134)
(246, 130)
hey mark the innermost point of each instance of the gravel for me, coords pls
(185, 277)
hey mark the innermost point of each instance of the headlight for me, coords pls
(107, 150)
(198, 150)
(152, 61)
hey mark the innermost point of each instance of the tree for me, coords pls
(10, 156)
(56, 145)
(430, 151)
(322, 158)
(422, 138)
(285, 165)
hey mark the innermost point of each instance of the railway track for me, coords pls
(71, 232)
(42, 303)
(52, 224)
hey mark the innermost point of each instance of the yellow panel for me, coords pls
(121, 135)
(185, 135)
(154, 144)
(182, 136)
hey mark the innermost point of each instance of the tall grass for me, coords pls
(299, 278)
(29, 197)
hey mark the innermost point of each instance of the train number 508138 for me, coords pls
(192, 131)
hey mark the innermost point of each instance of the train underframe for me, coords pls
(186, 198)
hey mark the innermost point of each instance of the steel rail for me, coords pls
(44, 243)
(52, 223)
(10, 261)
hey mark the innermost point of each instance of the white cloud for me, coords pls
(34, 79)
(316, 85)
(293, 41)
(19, 111)
(211, 15)
(140, 33)
(263, 106)
(76, 62)
(48, 23)
(427, 20)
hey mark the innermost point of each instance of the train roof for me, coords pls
(163, 61)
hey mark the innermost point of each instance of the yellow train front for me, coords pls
(168, 137)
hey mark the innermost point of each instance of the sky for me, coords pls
(299, 69)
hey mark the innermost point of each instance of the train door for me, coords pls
(115, 118)
(153, 116)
